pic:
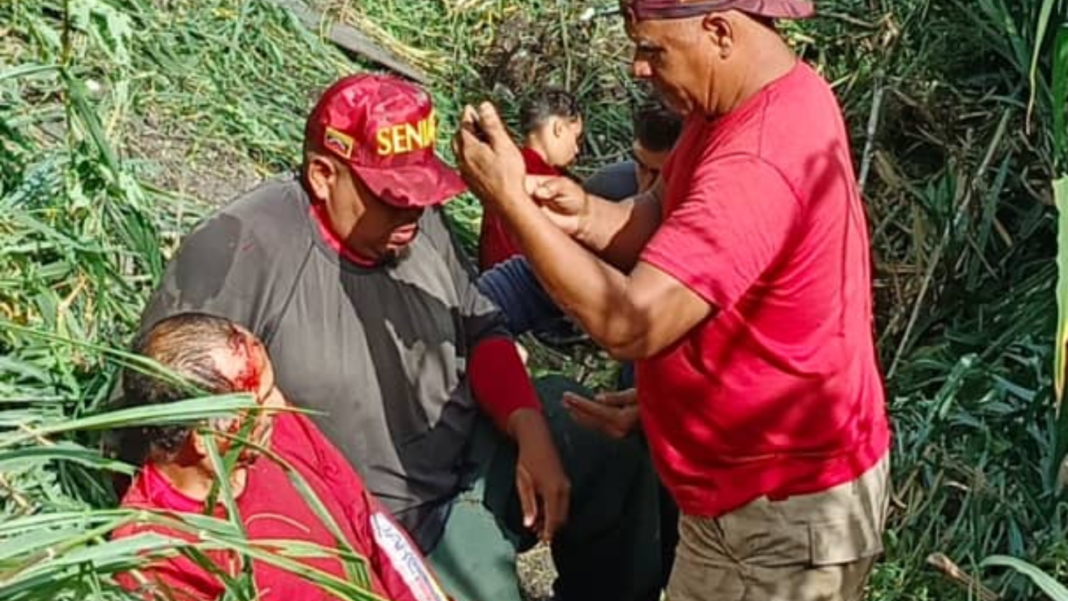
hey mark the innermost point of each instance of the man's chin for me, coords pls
(396, 255)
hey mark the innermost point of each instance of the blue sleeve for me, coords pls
(511, 285)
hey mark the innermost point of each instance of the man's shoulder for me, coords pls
(261, 225)
(275, 206)
(239, 261)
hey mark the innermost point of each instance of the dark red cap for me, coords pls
(385, 129)
(641, 10)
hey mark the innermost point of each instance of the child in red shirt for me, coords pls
(551, 125)
(176, 475)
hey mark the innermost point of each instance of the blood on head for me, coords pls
(250, 374)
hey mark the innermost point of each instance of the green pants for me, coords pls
(609, 550)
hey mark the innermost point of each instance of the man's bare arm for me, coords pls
(615, 231)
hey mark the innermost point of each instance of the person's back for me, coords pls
(176, 477)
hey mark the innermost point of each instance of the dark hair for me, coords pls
(544, 105)
(184, 345)
(656, 127)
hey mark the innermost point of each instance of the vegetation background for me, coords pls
(123, 121)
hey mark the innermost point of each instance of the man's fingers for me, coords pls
(468, 115)
(534, 184)
(622, 398)
(528, 499)
(588, 407)
(585, 420)
(546, 187)
(556, 507)
(489, 121)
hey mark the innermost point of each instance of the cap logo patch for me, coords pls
(406, 137)
(338, 142)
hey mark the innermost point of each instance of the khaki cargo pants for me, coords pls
(812, 547)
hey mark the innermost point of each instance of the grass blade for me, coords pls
(1053, 589)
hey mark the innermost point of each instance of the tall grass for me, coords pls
(83, 239)
(957, 112)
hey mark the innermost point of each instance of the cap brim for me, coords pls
(674, 9)
(411, 186)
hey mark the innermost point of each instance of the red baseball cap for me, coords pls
(640, 10)
(384, 128)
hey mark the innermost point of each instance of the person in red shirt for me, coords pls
(176, 475)
(741, 285)
(551, 125)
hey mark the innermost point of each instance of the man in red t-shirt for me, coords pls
(551, 125)
(741, 285)
(177, 476)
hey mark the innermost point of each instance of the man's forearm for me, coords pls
(618, 231)
(592, 291)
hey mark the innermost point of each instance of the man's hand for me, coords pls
(614, 413)
(544, 490)
(563, 201)
(489, 160)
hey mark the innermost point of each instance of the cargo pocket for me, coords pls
(846, 541)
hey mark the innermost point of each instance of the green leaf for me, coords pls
(62, 452)
(1060, 197)
(1053, 589)
(1060, 97)
(171, 413)
(1044, 16)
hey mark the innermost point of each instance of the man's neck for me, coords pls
(769, 60)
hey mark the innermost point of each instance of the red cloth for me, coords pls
(272, 508)
(318, 214)
(496, 243)
(779, 392)
(499, 380)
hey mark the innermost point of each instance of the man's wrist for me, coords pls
(525, 424)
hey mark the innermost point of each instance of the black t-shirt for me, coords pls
(381, 352)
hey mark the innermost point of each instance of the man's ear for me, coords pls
(720, 29)
(321, 174)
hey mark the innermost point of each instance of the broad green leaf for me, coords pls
(64, 451)
(1060, 197)
(1060, 97)
(172, 413)
(1053, 589)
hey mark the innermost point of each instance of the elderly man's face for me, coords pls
(676, 56)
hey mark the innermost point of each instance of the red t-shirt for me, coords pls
(495, 242)
(272, 508)
(779, 392)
